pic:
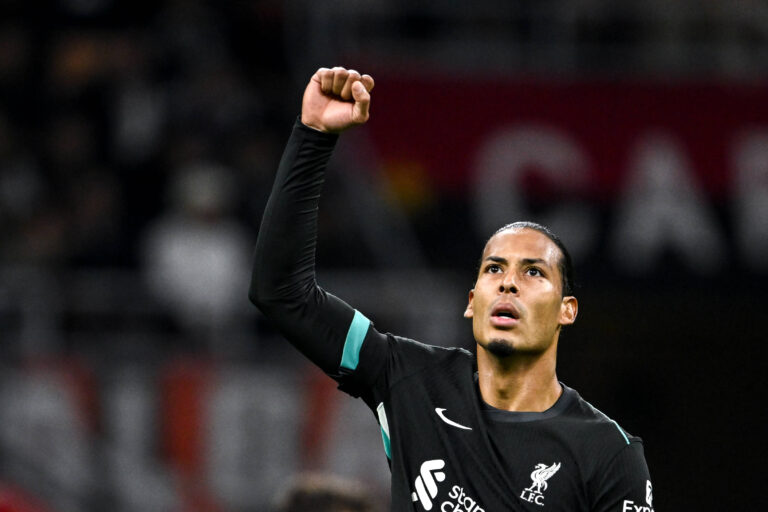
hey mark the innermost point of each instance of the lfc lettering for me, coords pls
(533, 497)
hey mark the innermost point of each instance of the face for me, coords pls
(517, 304)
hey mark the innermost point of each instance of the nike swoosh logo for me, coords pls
(452, 423)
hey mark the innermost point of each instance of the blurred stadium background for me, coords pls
(137, 146)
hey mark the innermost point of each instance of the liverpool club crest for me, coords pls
(539, 477)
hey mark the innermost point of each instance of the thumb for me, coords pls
(362, 102)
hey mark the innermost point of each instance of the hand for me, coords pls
(336, 99)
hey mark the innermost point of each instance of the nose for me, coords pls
(507, 284)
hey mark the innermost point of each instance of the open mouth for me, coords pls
(504, 315)
(505, 311)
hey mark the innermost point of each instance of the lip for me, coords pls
(505, 321)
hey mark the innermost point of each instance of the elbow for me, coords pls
(273, 288)
(269, 296)
(253, 296)
(259, 295)
(264, 288)
(268, 305)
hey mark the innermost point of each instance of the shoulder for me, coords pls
(598, 433)
(434, 352)
(612, 460)
(407, 357)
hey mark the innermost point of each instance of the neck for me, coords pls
(519, 382)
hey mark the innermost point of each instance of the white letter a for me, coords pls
(663, 208)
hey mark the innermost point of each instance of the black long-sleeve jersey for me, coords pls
(447, 449)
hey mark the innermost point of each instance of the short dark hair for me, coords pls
(564, 264)
(318, 492)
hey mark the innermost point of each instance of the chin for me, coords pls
(501, 348)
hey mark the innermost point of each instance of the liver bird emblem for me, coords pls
(540, 475)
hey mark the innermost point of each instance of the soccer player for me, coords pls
(491, 431)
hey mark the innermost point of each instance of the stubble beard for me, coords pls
(501, 348)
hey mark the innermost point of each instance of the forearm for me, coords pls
(283, 284)
(284, 264)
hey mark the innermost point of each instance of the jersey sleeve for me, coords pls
(333, 335)
(625, 483)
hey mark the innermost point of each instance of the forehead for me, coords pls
(519, 243)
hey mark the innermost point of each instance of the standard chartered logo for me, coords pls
(426, 490)
(426, 482)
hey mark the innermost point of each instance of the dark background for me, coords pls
(137, 147)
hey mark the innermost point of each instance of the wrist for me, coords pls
(315, 133)
(311, 125)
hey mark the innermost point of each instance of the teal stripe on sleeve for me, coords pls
(355, 336)
(621, 431)
(384, 424)
(387, 445)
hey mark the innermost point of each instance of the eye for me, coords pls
(493, 268)
(533, 271)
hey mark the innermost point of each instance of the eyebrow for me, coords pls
(496, 259)
(534, 261)
(524, 261)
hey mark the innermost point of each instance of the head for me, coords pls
(523, 294)
(325, 493)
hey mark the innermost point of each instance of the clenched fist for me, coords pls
(336, 99)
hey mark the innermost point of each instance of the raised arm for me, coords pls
(283, 282)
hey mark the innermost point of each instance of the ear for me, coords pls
(569, 308)
(468, 313)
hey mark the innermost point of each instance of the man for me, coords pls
(495, 431)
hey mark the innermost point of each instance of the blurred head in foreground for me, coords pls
(324, 493)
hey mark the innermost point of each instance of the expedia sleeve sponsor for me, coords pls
(631, 506)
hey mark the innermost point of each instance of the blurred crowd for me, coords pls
(140, 135)
(107, 109)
